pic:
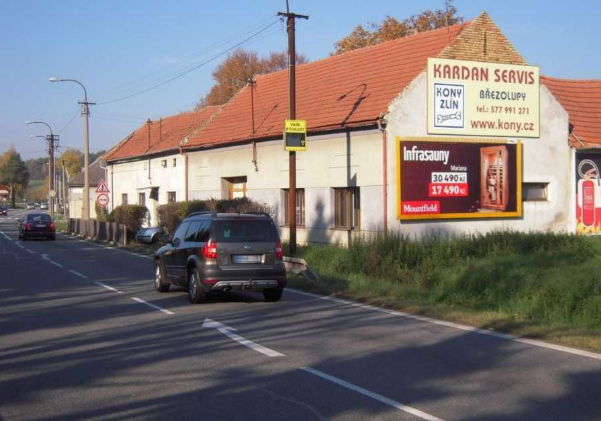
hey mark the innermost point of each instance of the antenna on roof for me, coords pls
(448, 29)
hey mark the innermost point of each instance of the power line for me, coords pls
(193, 68)
(70, 121)
(166, 72)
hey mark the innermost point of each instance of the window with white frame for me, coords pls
(124, 199)
(535, 192)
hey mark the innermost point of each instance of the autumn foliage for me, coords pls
(390, 28)
(236, 70)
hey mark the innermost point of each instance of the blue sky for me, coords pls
(117, 48)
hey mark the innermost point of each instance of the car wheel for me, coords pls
(272, 295)
(195, 292)
(158, 278)
(52, 238)
(24, 237)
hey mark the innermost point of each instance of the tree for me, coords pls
(72, 160)
(240, 66)
(13, 173)
(391, 28)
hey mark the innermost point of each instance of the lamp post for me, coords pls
(85, 210)
(50, 163)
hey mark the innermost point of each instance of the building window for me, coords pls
(124, 199)
(174, 162)
(347, 210)
(171, 197)
(535, 192)
(142, 199)
(233, 187)
(300, 206)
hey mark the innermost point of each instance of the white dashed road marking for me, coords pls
(78, 274)
(108, 287)
(152, 305)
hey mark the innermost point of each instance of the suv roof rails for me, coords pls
(257, 213)
(212, 213)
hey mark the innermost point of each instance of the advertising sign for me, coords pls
(295, 134)
(588, 194)
(446, 178)
(483, 99)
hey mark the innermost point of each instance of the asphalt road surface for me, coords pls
(83, 335)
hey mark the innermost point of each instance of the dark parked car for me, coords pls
(212, 252)
(149, 235)
(36, 225)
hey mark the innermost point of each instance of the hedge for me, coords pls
(133, 216)
(171, 214)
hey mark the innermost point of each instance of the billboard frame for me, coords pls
(465, 215)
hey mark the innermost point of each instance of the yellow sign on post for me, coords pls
(295, 135)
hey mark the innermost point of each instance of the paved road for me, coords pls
(83, 335)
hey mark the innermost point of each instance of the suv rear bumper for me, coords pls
(249, 285)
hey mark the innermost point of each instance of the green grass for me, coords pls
(35, 184)
(539, 284)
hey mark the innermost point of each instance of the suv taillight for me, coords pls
(52, 226)
(279, 252)
(27, 226)
(209, 250)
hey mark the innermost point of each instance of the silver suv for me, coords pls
(211, 252)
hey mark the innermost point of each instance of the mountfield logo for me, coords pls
(420, 208)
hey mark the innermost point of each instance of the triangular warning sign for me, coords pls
(102, 187)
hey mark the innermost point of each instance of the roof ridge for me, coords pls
(429, 32)
(569, 80)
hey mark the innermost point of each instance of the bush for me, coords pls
(171, 214)
(132, 216)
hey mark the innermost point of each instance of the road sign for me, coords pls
(52, 193)
(102, 200)
(295, 134)
(102, 187)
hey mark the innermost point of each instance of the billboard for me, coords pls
(483, 99)
(588, 193)
(446, 178)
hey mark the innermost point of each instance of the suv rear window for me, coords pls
(245, 231)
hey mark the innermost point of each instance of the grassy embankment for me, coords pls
(546, 286)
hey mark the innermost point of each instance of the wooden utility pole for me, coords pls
(292, 116)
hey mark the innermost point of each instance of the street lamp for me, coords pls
(50, 163)
(86, 112)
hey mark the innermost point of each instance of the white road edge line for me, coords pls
(500, 335)
(29, 251)
(383, 399)
(208, 323)
(5, 236)
(56, 264)
(78, 274)
(109, 287)
(152, 305)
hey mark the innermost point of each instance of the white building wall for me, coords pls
(134, 177)
(76, 202)
(340, 160)
(547, 159)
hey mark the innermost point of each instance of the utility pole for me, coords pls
(51, 173)
(292, 116)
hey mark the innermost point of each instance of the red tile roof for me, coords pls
(582, 101)
(346, 90)
(165, 134)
